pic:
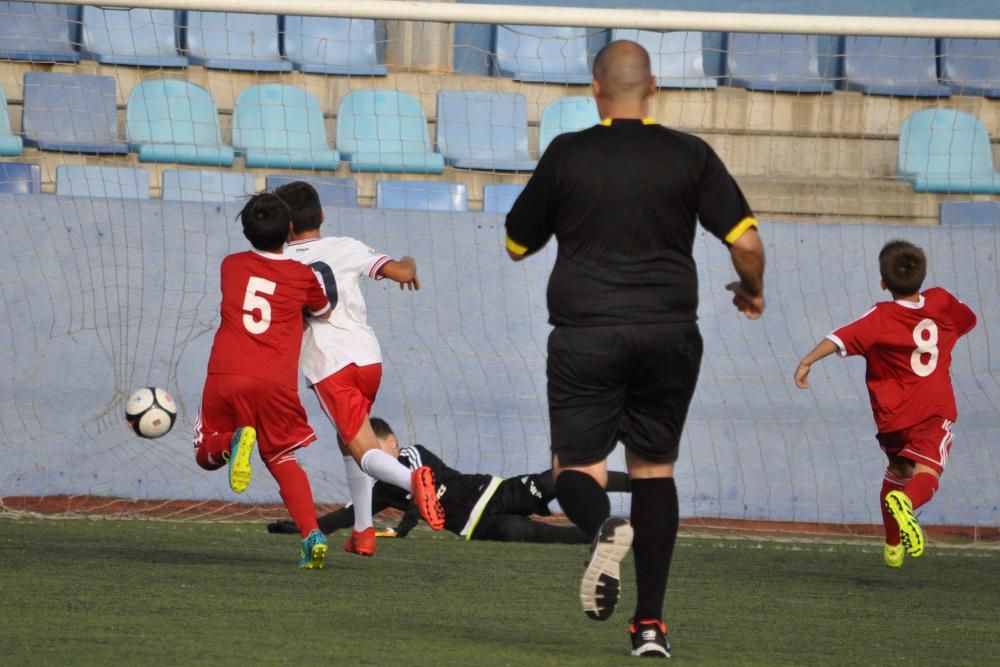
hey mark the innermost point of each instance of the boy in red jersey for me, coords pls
(251, 393)
(907, 343)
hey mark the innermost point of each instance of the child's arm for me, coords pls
(403, 271)
(824, 348)
(963, 317)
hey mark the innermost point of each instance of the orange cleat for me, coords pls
(362, 544)
(425, 496)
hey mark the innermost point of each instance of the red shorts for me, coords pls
(928, 442)
(275, 411)
(347, 396)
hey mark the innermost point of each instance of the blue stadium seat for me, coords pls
(547, 54)
(943, 150)
(340, 192)
(168, 120)
(10, 143)
(971, 66)
(566, 114)
(206, 186)
(969, 212)
(281, 127)
(775, 63)
(75, 113)
(106, 182)
(896, 66)
(483, 130)
(385, 131)
(38, 32)
(500, 197)
(20, 178)
(677, 57)
(323, 45)
(421, 195)
(227, 40)
(140, 37)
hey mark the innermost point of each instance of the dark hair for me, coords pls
(265, 221)
(303, 200)
(381, 427)
(903, 267)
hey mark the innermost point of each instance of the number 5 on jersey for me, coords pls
(254, 302)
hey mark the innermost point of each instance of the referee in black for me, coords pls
(623, 199)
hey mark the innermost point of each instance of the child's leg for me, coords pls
(895, 479)
(922, 486)
(293, 484)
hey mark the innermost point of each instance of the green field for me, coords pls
(80, 592)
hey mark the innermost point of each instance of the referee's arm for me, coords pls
(529, 224)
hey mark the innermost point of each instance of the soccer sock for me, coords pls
(619, 482)
(385, 468)
(360, 486)
(212, 451)
(654, 517)
(293, 484)
(921, 488)
(583, 500)
(890, 483)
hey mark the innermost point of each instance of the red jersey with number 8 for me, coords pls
(908, 349)
(263, 299)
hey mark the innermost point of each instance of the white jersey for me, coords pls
(345, 338)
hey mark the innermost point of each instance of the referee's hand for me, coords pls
(748, 304)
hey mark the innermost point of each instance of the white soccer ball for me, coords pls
(151, 412)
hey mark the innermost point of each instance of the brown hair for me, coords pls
(903, 267)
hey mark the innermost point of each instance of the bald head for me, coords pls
(623, 72)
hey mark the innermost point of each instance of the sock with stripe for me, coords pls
(921, 488)
(890, 483)
(212, 451)
(293, 484)
(385, 468)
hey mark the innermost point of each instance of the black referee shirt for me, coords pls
(623, 200)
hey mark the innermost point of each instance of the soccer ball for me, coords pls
(151, 412)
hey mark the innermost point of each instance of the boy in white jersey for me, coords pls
(342, 361)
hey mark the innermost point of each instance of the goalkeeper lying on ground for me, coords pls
(476, 507)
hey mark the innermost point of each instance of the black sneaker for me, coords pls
(601, 584)
(283, 527)
(649, 639)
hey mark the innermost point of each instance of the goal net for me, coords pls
(130, 137)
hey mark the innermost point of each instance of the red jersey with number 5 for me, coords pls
(263, 298)
(908, 349)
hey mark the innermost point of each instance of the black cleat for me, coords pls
(600, 587)
(283, 527)
(649, 639)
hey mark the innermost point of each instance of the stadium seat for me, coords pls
(775, 63)
(20, 178)
(281, 127)
(107, 182)
(140, 37)
(10, 143)
(340, 192)
(227, 40)
(206, 186)
(483, 130)
(566, 114)
(943, 150)
(322, 45)
(168, 120)
(971, 66)
(421, 196)
(74, 113)
(969, 212)
(500, 197)
(677, 57)
(547, 54)
(38, 32)
(896, 66)
(385, 131)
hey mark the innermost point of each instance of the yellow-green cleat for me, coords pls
(241, 450)
(893, 555)
(313, 552)
(910, 533)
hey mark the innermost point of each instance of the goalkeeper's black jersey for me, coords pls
(457, 492)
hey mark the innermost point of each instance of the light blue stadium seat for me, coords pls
(969, 212)
(141, 37)
(566, 114)
(421, 195)
(20, 178)
(167, 120)
(227, 40)
(971, 66)
(281, 127)
(500, 197)
(10, 143)
(38, 32)
(943, 150)
(548, 54)
(896, 66)
(483, 130)
(341, 192)
(206, 186)
(323, 45)
(385, 131)
(677, 57)
(75, 113)
(106, 182)
(775, 63)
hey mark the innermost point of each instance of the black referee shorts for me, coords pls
(631, 383)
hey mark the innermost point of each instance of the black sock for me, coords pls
(619, 481)
(583, 500)
(654, 520)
